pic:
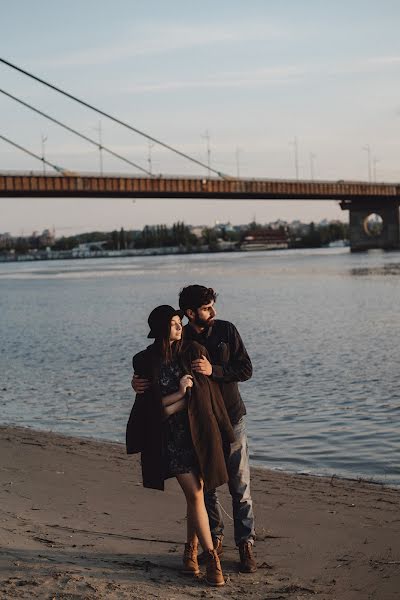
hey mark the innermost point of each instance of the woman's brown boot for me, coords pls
(190, 564)
(214, 574)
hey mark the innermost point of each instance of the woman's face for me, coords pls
(176, 329)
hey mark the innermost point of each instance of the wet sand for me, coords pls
(76, 523)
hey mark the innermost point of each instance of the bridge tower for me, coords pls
(386, 237)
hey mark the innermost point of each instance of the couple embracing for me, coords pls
(188, 422)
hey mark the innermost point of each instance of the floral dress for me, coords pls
(179, 455)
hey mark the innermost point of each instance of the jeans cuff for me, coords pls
(250, 540)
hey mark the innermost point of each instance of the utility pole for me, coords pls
(237, 162)
(206, 137)
(99, 129)
(375, 161)
(367, 149)
(312, 158)
(149, 161)
(44, 140)
(296, 156)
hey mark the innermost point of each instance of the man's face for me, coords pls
(205, 315)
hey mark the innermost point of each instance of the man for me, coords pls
(229, 364)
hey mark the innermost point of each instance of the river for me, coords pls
(322, 328)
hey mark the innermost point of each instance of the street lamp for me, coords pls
(367, 149)
(100, 148)
(149, 161)
(312, 159)
(375, 161)
(100, 145)
(237, 155)
(44, 140)
(206, 137)
(296, 156)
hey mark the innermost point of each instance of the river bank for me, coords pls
(77, 523)
(77, 253)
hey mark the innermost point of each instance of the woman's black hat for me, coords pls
(160, 317)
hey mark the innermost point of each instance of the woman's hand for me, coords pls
(174, 408)
(185, 383)
(177, 401)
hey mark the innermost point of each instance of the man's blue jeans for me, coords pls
(239, 487)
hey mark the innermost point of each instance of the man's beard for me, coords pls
(203, 322)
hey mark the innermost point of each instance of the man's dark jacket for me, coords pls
(210, 425)
(230, 362)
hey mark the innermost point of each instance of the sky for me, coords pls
(244, 79)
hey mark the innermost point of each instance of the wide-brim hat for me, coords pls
(160, 317)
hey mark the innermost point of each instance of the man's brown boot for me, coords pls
(214, 574)
(247, 560)
(217, 543)
(190, 563)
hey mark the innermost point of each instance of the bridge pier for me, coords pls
(361, 239)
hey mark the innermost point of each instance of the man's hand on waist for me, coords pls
(202, 365)
(140, 385)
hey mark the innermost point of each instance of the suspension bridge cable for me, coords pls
(81, 135)
(112, 118)
(41, 158)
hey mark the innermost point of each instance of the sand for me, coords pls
(76, 523)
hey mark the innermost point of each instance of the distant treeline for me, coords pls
(316, 236)
(299, 235)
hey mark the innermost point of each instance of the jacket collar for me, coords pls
(192, 334)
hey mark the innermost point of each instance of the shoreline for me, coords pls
(76, 522)
(170, 251)
(327, 477)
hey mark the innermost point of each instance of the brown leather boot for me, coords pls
(190, 563)
(214, 574)
(247, 560)
(217, 546)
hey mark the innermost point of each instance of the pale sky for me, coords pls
(252, 75)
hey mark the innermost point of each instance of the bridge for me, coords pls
(361, 199)
(73, 185)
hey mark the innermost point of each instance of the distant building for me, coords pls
(265, 239)
(89, 248)
(197, 230)
(6, 241)
(223, 227)
(46, 238)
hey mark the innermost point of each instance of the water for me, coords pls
(322, 328)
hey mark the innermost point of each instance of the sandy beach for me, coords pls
(76, 523)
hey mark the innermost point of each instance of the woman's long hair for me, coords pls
(168, 351)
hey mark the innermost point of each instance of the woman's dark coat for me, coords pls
(210, 426)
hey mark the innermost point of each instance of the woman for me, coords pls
(181, 427)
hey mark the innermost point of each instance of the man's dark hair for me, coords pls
(194, 296)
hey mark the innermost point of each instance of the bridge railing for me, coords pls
(176, 177)
(78, 184)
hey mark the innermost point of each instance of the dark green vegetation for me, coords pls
(221, 236)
